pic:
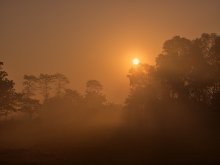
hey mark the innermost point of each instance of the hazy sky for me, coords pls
(95, 39)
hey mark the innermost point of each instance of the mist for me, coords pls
(171, 114)
(109, 82)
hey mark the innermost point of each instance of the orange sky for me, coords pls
(95, 39)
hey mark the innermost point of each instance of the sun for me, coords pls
(135, 61)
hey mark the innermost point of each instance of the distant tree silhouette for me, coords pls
(30, 86)
(173, 67)
(93, 96)
(45, 83)
(29, 103)
(29, 106)
(60, 82)
(93, 86)
(143, 86)
(8, 96)
(66, 107)
(73, 96)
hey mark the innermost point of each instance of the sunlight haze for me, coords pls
(95, 39)
(109, 82)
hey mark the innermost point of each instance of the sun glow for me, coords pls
(135, 61)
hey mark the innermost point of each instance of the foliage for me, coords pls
(30, 86)
(8, 96)
(186, 71)
(44, 85)
(94, 98)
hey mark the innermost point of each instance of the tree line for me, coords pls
(50, 91)
(185, 73)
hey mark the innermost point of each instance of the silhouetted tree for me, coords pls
(93, 86)
(30, 86)
(60, 81)
(143, 85)
(29, 106)
(66, 107)
(45, 83)
(28, 103)
(188, 68)
(94, 97)
(8, 96)
(186, 73)
(173, 67)
(73, 96)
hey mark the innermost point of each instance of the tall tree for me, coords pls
(94, 97)
(173, 66)
(186, 71)
(144, 89)
(189, 67)
(93, 86)
(8, 96)
(30, 85)
(45, 82)
(60, 81)
(29, 103)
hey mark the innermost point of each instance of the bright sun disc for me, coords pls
(136, 61)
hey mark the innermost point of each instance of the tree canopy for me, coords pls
(186, 70)
(8, 96)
